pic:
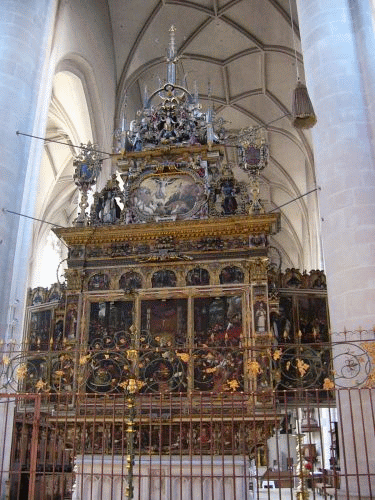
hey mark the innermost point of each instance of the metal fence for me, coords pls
(178, 446)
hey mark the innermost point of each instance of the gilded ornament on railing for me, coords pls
(370, 349)
(41, 386)
(132, 386)
(132, 354)
(184, 356)
(277, 354)
(21, 371)
(302, 367)
(328, 384)
(254, 369)
(83, 360)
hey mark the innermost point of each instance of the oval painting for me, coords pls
(175, 196)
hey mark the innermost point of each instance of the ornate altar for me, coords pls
(171, 317)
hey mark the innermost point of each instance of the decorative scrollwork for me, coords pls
(301, 367)
(218, 370)
(162, 372)
(106, 371)
(160, 365)
(352, 364)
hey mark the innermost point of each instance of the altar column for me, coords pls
(331, 38)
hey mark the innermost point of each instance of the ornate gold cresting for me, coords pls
(195, 229)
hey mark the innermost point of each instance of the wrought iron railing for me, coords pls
(167, 446)
(105, 368)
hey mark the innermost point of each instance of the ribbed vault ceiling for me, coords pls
(248, 51)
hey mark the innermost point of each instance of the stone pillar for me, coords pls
(25, 34)
(345, 168)
(344, 160)
(25, 30)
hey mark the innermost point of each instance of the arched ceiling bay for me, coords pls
(68, 122)
(247, 51)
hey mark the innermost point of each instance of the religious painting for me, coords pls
(252, 155)
(260, 312)
(98, 282)
(197, 277)
(228, 200)
(71, 317)
(164, 323)
(85, 172)
(302, 321)
(109, 324)
(163, 278)
(302, 318)
(176, 196)
(163, 364)
(130, 281)
(312, 319)
(218, 358)
(40, 330)
(231, 274)
(58, 334)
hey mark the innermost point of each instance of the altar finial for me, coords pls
(171, 58)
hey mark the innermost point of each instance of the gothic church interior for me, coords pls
(165, 313)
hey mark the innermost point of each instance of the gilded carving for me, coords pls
(258, 269)
(73, 279)
(238, 226)
(370, 348)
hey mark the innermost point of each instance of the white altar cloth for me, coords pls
(164, 477)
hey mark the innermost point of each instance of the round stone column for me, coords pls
(25, 30)
(344, 160)
(345, 168)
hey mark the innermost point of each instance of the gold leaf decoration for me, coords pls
(84, 359)
(40, 385)
(254, 368)
(184, 356)
(233, 385)
(277, 354)
(328, 384)
(370, 349)
(302, 367)
(22, 371)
